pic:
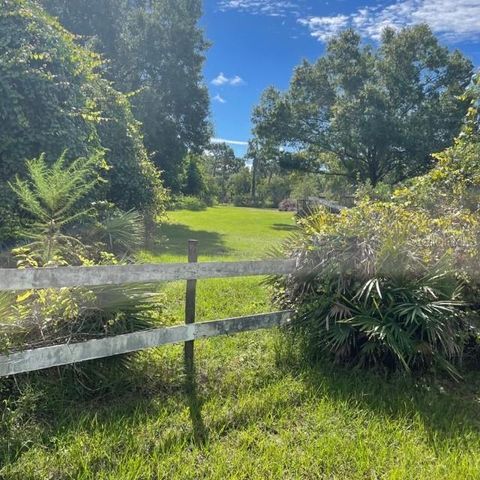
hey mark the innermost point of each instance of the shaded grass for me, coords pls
(254, 412)
(261, 417)
(224, 234)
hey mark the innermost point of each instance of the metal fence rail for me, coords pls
(56, 355)
(14, 279)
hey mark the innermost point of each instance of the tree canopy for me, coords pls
(221, 163)
(156, 50)
(54, 99)
(365, 113)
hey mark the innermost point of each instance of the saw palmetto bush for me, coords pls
(122, 233)
(64, 229)
(378, 285)
(44, 317)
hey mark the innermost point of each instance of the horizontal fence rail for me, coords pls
(57, 355)
(16, 279)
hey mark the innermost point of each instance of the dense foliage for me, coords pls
(53, 99)
(195, 183)
(368, 114)
(63, 232)
(133, 181)
(221, 163)
(376, 287)
(155, 49)
(209, 177)
(395, 283)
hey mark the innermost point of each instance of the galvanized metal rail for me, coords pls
(16, 279)
(56, 355)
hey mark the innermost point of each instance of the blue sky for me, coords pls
(257, 43)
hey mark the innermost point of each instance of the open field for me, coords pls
(223, 233)
(255, 413)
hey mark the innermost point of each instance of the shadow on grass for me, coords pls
(285, 227)
(448, 409)
(194, 402)
(443, 415)
(177, 235)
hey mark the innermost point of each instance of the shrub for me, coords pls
(242, 201)
(188, 202)
(52, 316)
(375, 287)
(63, 229)
(53, 99)
(50, 197)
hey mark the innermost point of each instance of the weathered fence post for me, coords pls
(190, 299)
(64, 354)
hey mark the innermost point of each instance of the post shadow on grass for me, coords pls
(195, 402)
(177, 235)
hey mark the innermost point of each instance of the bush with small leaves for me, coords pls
(54, 100)
(377, 286)
(64, 230)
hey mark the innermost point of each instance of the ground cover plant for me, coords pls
(395, 283)
(257, 412)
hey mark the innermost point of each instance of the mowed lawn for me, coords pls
(257, 413)
(223, 234)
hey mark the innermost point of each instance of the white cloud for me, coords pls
(453, 20)
(325, 27)
(272, 8)
(236, 80)
(218, 98)
(231, 142)
(221, 79)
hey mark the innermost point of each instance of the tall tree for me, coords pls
(194, 179)
(265, 162)
(365, 113)
(53, 99)
(155, 49)
(221, 163)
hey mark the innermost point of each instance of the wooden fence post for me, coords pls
(190, 300)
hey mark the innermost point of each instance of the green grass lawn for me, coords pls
(223, 234)
(256, 413)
